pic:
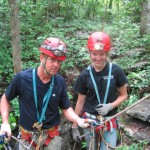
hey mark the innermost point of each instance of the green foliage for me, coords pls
(14, 114)
(70, 95)
(12, 121)
(131, 100)
(139, 79)
(15, 107)
(134, 146)
(133, 8)
(83, 145)
(6, 67)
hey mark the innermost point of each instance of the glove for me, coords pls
(84, 123)
(103, 109)
(5, 129)
(76, 134)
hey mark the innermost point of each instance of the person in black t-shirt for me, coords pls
(42, 92)
(101, 89)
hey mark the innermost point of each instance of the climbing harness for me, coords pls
(111, 124)
(45, 101)
(108, 119)
(95, 87)
(44, 136)
(98, 128)
(39, 135)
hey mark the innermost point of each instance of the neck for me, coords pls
(43, 75)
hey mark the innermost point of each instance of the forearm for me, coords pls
(70, 115)
(79, 106)
(119, 100)
(5, 109)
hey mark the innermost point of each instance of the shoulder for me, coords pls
(119, 74)
(59, 78)
(85, 71)
(116, 67)
(24, 73)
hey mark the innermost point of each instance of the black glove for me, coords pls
(76, 134)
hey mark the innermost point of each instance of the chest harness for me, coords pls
(111, 123)
(108, 126)
(46, 99)
(95, 87)
(99, 117)
(40, 137)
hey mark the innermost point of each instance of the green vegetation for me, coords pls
(134, 146)
(73, 23)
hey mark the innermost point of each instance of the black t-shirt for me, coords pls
(84, 85)
(22, 86)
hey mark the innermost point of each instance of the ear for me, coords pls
(41, 57)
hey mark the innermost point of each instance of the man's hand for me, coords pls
(76, 134)
(103, 109)
(5, 129)
(84, 123)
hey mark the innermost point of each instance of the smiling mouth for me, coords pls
(54, 70)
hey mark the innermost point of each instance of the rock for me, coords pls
(136, 121)
(135, 128)
(141, 111)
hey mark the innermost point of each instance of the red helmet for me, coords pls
(54, 47)
(99, 41)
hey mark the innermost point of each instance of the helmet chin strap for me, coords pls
(43, 65)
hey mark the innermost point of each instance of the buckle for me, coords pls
(100, 118)
(37, 125)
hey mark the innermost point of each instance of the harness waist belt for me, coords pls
(112, 124)
(89, 115)
(51, 133)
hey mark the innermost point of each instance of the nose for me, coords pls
(57, 63)
(99, 57)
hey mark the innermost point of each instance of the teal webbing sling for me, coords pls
(95, 86)
(45, 99)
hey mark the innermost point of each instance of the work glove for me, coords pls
(76, 134)
(5, 129)
(103, 109)
(84, 123)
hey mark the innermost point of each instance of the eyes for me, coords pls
(53, 60)
(97, 53)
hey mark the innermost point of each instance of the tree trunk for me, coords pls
(145, 18)
(15, 35)
(110, 4)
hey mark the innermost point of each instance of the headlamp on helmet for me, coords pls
(58, 51)
(54, 47)
(99, 41)
(98, 46)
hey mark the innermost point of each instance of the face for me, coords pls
(52, 65)
(98, 58)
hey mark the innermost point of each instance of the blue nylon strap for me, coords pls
(94, 83)
(45, 99)
(108, 84)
